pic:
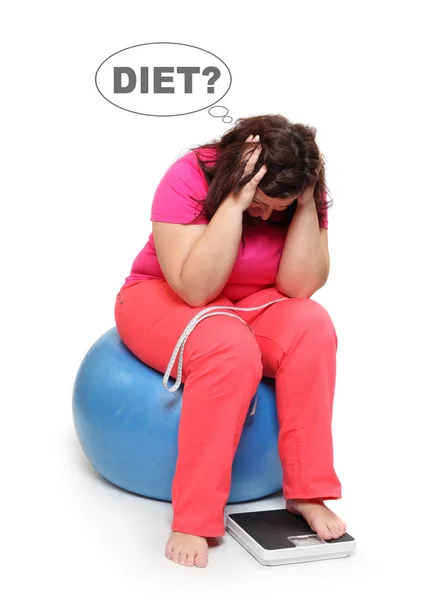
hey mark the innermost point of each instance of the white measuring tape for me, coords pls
(191, 325)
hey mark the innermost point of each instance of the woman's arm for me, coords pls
(304, 265)
(212, 258)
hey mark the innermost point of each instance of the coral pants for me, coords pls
(293, 341)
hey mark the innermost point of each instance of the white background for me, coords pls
(78, 177)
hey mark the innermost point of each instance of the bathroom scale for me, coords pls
(278, 537)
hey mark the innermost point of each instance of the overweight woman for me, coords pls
(240, 223)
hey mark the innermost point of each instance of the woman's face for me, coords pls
(262, 206)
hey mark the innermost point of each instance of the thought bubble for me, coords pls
(165, 79)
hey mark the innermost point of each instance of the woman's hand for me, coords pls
(307, 197)
(246, 195)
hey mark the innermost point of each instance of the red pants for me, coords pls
(293, 341)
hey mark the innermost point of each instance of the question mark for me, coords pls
(215, 76)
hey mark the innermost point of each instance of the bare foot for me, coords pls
(188, 550)
(319, 517)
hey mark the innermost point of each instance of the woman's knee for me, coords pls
(231, 339)
(313, 317)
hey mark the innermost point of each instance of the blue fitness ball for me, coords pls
(127, 424)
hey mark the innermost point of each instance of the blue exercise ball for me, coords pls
(127, 425)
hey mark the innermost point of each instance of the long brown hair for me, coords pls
(289, 151)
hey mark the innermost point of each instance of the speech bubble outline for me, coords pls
(205, 72)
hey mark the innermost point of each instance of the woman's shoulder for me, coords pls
(189, 160)
(207, 155)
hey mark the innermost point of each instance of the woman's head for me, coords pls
(263, 206)
(294, 163)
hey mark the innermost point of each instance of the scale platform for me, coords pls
(278, 537)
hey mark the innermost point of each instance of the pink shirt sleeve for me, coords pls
(172, 202)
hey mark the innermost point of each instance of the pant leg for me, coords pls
(298, 343)
(222, 369)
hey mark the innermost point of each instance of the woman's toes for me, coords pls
(328, 534)
(337, 528)
(175, 555)
(201, 560)
(323, 530)
(341, 527)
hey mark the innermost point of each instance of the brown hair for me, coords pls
(289, 151)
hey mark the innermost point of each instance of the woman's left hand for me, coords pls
(307, 197)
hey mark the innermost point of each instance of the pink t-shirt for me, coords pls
(256, 265)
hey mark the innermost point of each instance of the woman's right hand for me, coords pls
(246, 195)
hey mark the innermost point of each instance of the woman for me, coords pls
(257, 248)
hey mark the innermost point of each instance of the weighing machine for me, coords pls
(278, 537)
